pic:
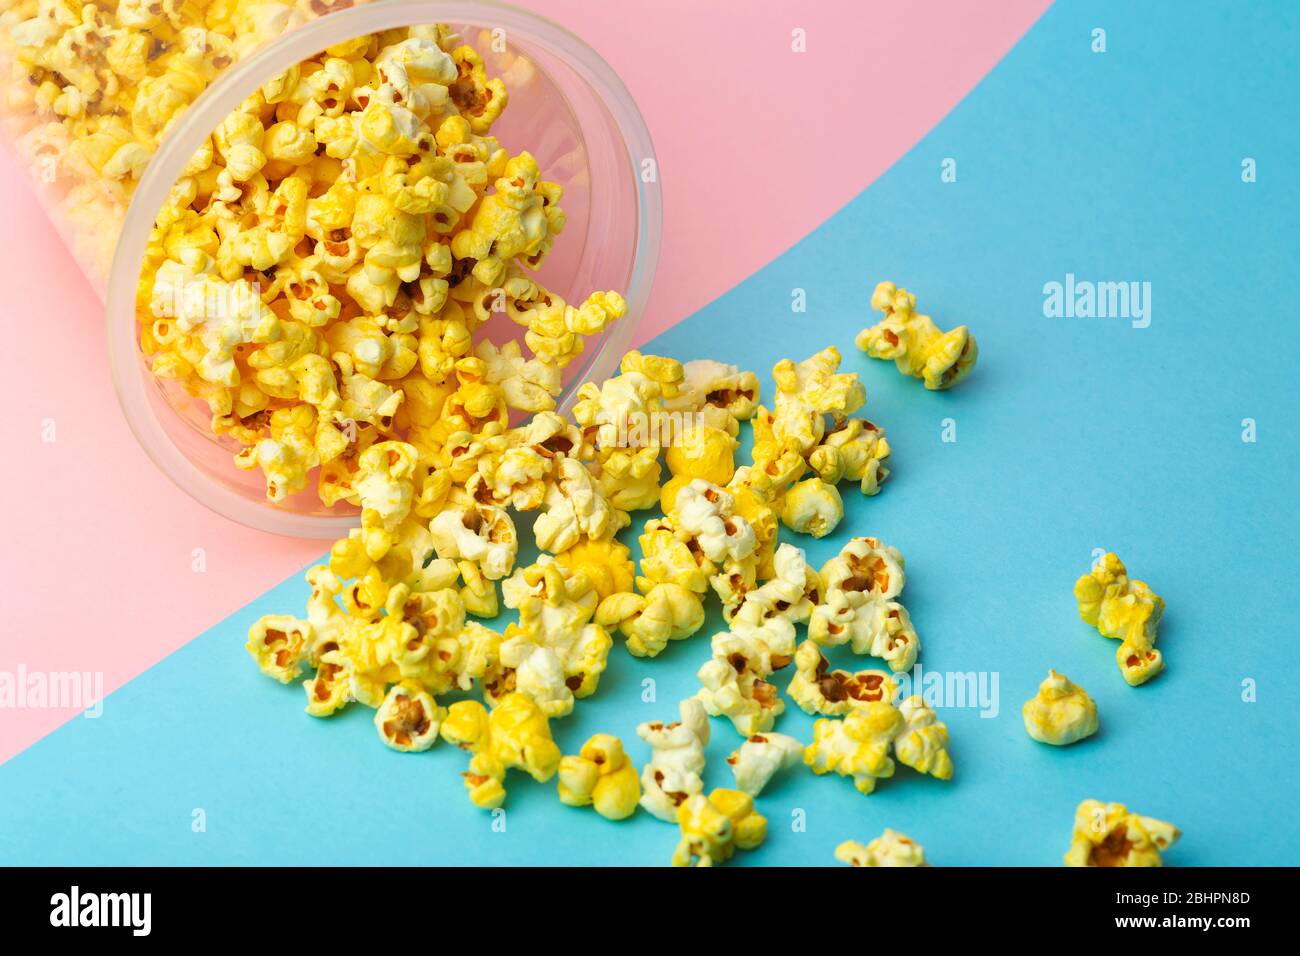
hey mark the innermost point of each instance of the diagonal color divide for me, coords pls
(1072, 434)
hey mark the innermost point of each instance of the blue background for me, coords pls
(1072, 434)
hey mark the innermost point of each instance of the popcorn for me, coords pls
(515, 735)
(758, 495)
(600, 776)
(1107, 834)
(735, 678)
(790, 592)
(553, 654)
(703, 512)
(805, 394)
(721, 395)
(813, 507)
(673, 774)
(606, 564)
(329, 689)
(858, 607)
(762, 757)
(1124, 609)
(857, 746)
(278, 642)
(796, 436)
(667, 557)
(366, 227)
(629, 477)
(834, 693)
(666, 612)
(1060, 713)
(409, 719)
(482, 534)
(714, 827)
(853, 450)
(702, 451)
(622, 410)
(574, 507)
(358, 225)
(914, 342)
(922, 742)
(1138, 665)
(891, 848)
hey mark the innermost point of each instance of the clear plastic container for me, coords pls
(567, 107)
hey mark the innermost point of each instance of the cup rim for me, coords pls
(224, 96)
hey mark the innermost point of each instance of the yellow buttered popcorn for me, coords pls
(1126, 610)
(409, 719)
(858, 606)
(329, 689)
(675, 770)
(760, 758)
(514, 735)
(600, 776)
(629, 477)
(720, 395)
(891, 848)
(607, 565)
(914, 342)
(666, 612)
(1060, 713)
(790, 592)
(812, 507)
(714, 827)
(1107, 834)
(834, 693)
(331, 255)
(701, 542)
(575, 508)
(625, 411)
(702, 451)
(922, 741)
(279, 643)
(854, 449)
(758, 495)
(806, 392)
(554, 654)
(811, 422)
(857, 746)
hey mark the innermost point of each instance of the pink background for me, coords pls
(100, 553)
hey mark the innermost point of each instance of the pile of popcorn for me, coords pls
(321, 278)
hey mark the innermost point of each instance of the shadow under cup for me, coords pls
(567, 107)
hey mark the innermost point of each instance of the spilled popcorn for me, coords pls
(321, 280)
(760, 758)
(1107, 834)
(858, 608)
(915, 343)
(714, 827)
(1126, 610)
(601, 776)
(675, 771)
(859, 746)
(889, 849)
(1060, 713)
